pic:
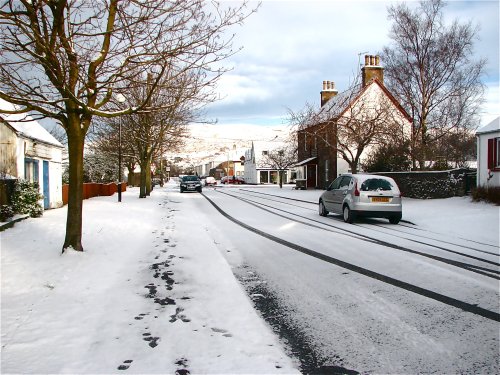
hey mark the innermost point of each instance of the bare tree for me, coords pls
(357, 120)
(430, 68)
(281, 158)
(67, 59)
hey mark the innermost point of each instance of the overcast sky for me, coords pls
(291, 47)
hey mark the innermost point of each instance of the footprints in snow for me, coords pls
(183, 363)
(222, 331)
(178, 315)
(126, 364)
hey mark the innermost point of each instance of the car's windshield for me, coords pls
(190, 178)
(374, 184)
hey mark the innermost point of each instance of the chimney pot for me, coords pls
(328, 91)
(372, 70)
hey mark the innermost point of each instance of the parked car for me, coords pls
(355, 195)
(210, 181)
(232, 180)
(190, 183)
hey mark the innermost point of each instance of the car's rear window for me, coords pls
(374, 184)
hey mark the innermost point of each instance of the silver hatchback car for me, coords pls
(354, 195)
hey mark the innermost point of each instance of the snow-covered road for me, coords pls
(370, 297)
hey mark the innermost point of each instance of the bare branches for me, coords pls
(68, 59)
(80, 52)
(430, 68)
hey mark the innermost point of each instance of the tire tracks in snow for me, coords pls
(465, 306)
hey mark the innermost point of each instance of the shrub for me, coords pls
(6, 212)
(25, 198)
(490, 194)
(388, 158)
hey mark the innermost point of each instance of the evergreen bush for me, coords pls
(6, 212)
(25, 198)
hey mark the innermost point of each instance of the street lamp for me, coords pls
(121, 99)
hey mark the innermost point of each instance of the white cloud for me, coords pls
(238, 89)
(290, 47)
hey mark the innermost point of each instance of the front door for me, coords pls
(46, 190)
(311, 175)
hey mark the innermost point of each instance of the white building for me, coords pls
(28, 151)
(257, 170)
(488, 154)
(222, 163)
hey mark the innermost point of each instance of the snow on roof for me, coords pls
(491, 127)
(25, 125)
(337, 104)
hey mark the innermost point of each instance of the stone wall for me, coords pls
(432, 184)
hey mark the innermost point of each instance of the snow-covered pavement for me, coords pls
(154, 291)
(150, 294)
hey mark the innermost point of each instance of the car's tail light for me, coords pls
(356, 191)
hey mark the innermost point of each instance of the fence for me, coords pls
(93, 189)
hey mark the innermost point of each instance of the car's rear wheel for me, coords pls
(394, 219)
(349, 216)
(322, 209)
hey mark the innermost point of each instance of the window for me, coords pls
(273, 176)
(494, 154)
(31, 170)
(264, 177)
(374, 184)
(344, 183)
(335, 184)
(497, 164)
(265, 153)
(300, 173)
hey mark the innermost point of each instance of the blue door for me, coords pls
(46, 190)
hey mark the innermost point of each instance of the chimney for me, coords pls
(328, 91)
(372, 70)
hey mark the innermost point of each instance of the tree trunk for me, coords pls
(148, 177)
(281, 173)
(354, 167)
(73, 237)
(131, 176)
(142, 183)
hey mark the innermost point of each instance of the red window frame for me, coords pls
(493, 154)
